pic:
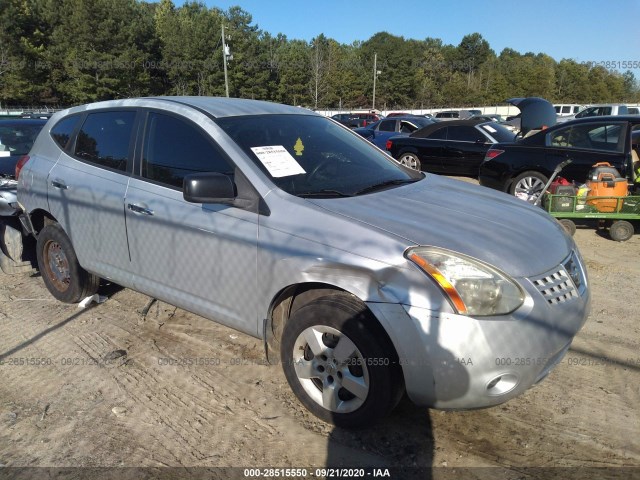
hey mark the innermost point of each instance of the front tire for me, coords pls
(339, 362)
(63, 276)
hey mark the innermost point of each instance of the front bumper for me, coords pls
(452, 361)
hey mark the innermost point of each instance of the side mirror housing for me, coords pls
(208, 187)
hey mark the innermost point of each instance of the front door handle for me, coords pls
(57, 183)
(139, 209)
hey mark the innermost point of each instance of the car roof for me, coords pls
(22, 121)
(600, 119)
(217, 107)
(429, 129)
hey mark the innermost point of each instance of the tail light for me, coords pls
(21, 162)
(492, 153)
(389, 145)
(364, 123)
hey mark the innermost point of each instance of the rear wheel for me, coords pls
(410, 160)
(63, 276)
(338, 364)
(528, 186)
(621, 231)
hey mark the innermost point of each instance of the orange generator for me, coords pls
(605, 181)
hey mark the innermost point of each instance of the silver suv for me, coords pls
(367, 279)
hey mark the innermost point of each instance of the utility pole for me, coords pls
(376, 72)
(225, 53)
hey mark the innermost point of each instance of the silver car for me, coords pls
(364, 278)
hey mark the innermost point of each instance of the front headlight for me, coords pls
(473, 288)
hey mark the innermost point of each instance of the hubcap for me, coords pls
(331, 369)
(56, 266)
(528, 189)
(409, 161)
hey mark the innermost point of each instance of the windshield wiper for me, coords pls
(327, 193)
(387, 183)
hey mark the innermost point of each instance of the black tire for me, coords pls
(341, 325)
(568, 225)
(621, 231)
(63, 276)
(410, 160)
(528, 185)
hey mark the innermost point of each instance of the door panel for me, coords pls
(199, 257)
(86, 192)
(92, 214)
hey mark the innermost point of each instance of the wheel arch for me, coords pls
(38, 219)
(293, 297)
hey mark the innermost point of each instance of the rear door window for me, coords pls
(387, 126)
(105, 137)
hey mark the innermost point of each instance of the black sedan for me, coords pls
(456, 147)
(523, 168)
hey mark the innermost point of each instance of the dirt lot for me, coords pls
(109, 387)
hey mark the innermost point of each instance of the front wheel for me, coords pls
(528, 186)
(63, 276)
(339, 369)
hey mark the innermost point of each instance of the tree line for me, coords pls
(66, 52)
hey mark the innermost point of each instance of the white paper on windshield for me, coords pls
(5, 153)
(278, 161)
(489, 128)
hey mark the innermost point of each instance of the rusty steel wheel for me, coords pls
(63, 276)
(56, 266)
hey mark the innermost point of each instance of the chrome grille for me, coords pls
(565, 283)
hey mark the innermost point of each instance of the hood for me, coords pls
(512, 235)
(536, 113)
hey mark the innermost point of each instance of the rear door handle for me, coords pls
(139, 209)
(57, 183)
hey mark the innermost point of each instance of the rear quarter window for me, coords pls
(62, 131)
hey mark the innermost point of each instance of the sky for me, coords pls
(583, 30)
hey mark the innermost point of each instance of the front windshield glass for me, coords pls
(311, 156)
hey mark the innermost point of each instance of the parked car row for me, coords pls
(356, 120)
(378, 133)
(521, 166)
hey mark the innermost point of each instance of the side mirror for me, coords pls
(208, 187)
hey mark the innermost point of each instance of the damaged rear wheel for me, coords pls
(63, 276)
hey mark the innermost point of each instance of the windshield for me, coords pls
(17, 139)
(308, 155)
